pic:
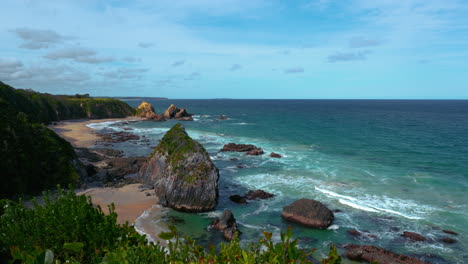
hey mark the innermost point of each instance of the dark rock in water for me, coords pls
(238, 199)
(222, 117)
(448, 240)
(337, 211)
(240, 166)
(258, 194)
(256, 152)
(275, 155)
(380, 255)
(450, 232)
(413, 236)
(234, 159)
(308, 212)
(226, 224)
(353, 232)
(238, 147)
(182, 173)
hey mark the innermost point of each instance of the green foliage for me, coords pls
(32, 157)
(66, 224)
(66, 228)
(333, 257)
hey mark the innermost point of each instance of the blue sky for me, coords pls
(238, 48)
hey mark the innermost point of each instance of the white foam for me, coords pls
(384, 204)
(101, 125)
(333, 227)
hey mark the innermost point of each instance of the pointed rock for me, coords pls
(182, 173)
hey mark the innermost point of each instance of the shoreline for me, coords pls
(79, 134)
(133, 203)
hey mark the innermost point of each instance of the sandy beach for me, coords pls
(78, 134)
(131, 201)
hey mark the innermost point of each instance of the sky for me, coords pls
(271, 49)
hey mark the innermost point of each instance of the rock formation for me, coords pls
(182, 173)
(226, 224)
(146, 110)
(413, 236)
(249, 148)
(179, 114)
(275, 155)
(251, 195)
(308, 212)
(378, 254)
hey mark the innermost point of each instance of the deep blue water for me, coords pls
(389, 166)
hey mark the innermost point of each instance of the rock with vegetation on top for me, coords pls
(182, 173)
(308, 212)
(379, 255)
(146, 110)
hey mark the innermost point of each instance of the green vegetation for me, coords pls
(32, 157)
(46, 108)
(176, 144)
(66, 228)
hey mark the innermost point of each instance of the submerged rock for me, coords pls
(238, 199)
(258, 194)
(256, 152)
(377, 254)
(448, 240)
(308, 212)
(450, 232)
(238, 147)
(413, 236)
(275, 155)
(182, 173)
(226, 224)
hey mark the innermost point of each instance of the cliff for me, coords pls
(182, 173)
(46, 108)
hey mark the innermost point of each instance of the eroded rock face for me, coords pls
(238, 147)
(146, 110)
(182, 173)
(226, 224)
(180, 114)
(308, 212)
(380, 255)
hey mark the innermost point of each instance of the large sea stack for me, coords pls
(182, 173)
(172, 112)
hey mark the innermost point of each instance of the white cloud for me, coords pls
(78, 54)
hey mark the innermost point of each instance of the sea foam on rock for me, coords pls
(182, 173)
(308, 212)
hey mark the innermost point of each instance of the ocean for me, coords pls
(388, 166)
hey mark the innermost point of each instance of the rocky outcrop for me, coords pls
(182, 173)
(413, 236)
(226, 224)
(308, 212)
(377, 254)
(146, 110)
(275, 155)
(238, 147)
(251, 195)
(256, 152)
(172, 112)
(450, 232)
(448, 240)
(222, 117)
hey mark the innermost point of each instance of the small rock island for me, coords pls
(182, 173)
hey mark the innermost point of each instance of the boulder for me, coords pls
(238, 199)
(182, 173)
(256, 152)
(238, 147)
(308, 212)
(222, 117)
(377, 254)
(258, 194)
(226, 224)
(413, 236)
(275, 155)
(450, 232)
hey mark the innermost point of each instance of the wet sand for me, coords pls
(78, 134)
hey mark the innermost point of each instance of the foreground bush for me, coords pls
(66, 228)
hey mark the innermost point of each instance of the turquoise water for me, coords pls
(389, 166)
